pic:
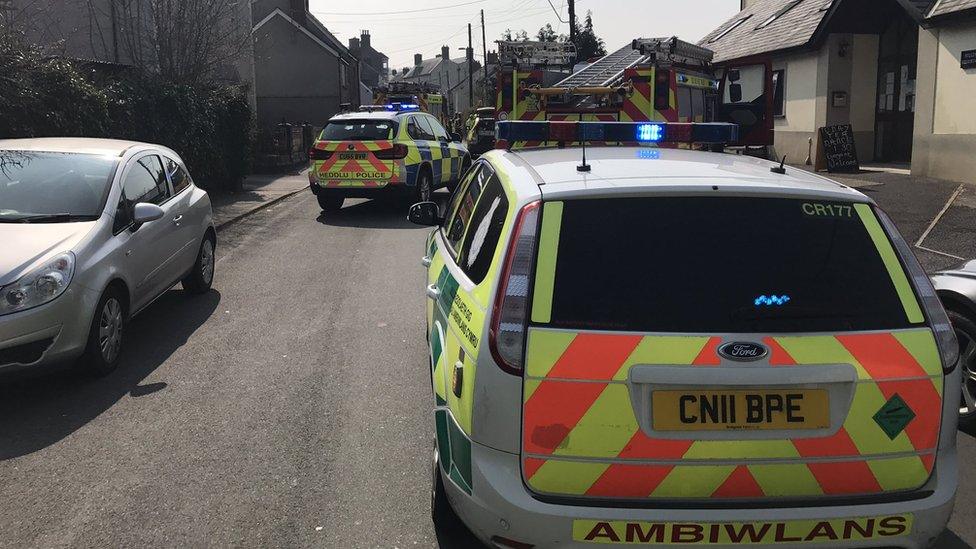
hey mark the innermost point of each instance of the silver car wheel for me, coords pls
(110, 329)
(207, 261)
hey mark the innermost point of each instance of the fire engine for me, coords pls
(655, 79)
(426, 97)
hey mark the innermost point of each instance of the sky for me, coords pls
(404, 27)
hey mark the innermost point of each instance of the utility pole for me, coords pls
(470, 57)
(572, 20)
(484, 44)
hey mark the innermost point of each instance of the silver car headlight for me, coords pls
(39, 286)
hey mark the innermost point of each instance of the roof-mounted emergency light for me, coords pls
(509, 132)
(402, 107)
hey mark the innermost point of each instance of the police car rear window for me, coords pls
(359, 130)
(684, 264)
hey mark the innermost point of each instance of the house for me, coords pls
(374, 67)
(891, 69)
(302, 72)
(449, 75)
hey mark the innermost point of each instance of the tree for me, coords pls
(183, 41)
(547, 34)
(588, 44)
(520, 36)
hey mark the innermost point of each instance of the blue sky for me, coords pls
(444, 22)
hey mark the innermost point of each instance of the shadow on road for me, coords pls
(378, 214)
(38, 409)
(949, 540)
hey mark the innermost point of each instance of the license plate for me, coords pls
(352, 156)
(738, 410)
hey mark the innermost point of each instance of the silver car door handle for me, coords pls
(177, 219)
(433, 292)
(425, 261)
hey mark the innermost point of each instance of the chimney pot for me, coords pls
(417, 59)
(364, 36)
(445, 52)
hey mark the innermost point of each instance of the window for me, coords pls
(729, 29)
(643, 276)
(38, 183)
(359, 130)
(177, 176)
(779, 92)
(424, 131)
(342, 74)
(145, 181)
(463, 203)
(486, 228)
(685, 110)
(438, 130)
(769, 20)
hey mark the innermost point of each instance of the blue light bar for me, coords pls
(509, 132)
(402, 107)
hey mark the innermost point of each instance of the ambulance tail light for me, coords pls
(318, 154)
(398, 152)
(945, 337)
(510, 315)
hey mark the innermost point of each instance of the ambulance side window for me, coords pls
(484, 231)
(462, 206)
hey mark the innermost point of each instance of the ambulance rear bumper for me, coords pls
(502, 506)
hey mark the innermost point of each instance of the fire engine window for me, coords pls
(745, 84)
(698, 105)
(685, 112)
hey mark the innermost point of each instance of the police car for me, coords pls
(396, 151)
(674, 347)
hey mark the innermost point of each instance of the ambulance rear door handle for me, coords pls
(425, 261)
(433, 292)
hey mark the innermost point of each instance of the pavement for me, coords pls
(290, 406)
(258, 191)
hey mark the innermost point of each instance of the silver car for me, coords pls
(91, 232)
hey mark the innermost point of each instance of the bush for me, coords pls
(212, 128)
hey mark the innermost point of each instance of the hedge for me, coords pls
(211, 127)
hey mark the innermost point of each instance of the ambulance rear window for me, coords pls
(717, 265)
(359, 130)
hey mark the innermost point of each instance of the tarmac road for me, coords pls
(288, 407)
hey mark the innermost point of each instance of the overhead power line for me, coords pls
(402, 11)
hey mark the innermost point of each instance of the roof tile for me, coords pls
(792, 29)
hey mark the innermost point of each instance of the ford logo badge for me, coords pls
(743, 351)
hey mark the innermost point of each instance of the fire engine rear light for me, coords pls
(610, 132)
(511, 310)
(945, 337)
(318, 154)
(398, 152)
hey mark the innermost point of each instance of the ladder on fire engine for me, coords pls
(605, 71)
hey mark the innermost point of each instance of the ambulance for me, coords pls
(640, 345)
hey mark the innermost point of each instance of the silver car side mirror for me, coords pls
(144, 212)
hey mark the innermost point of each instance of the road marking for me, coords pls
(939, 217)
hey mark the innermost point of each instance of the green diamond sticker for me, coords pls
(894, 416)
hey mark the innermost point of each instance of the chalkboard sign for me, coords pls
(839, 152)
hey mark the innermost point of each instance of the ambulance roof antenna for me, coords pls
(584, 167)
(781, 170)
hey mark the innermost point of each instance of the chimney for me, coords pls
(417, 59)
(364, 38)
(493, 58)
(353, 44)
(299, 10)
(446, 52)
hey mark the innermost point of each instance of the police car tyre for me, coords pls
(965, 328)
(105, 336)
(201, 275)
(424, 187)
(330, 203)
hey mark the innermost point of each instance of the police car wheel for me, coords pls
(424, 187)
(965, 330)
(330, 203)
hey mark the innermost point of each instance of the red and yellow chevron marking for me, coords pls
(581, 437)
(366, 171)
(639, 106)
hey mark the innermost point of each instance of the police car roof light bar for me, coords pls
(509, 132)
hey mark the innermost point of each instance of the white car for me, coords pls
(93, 230)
